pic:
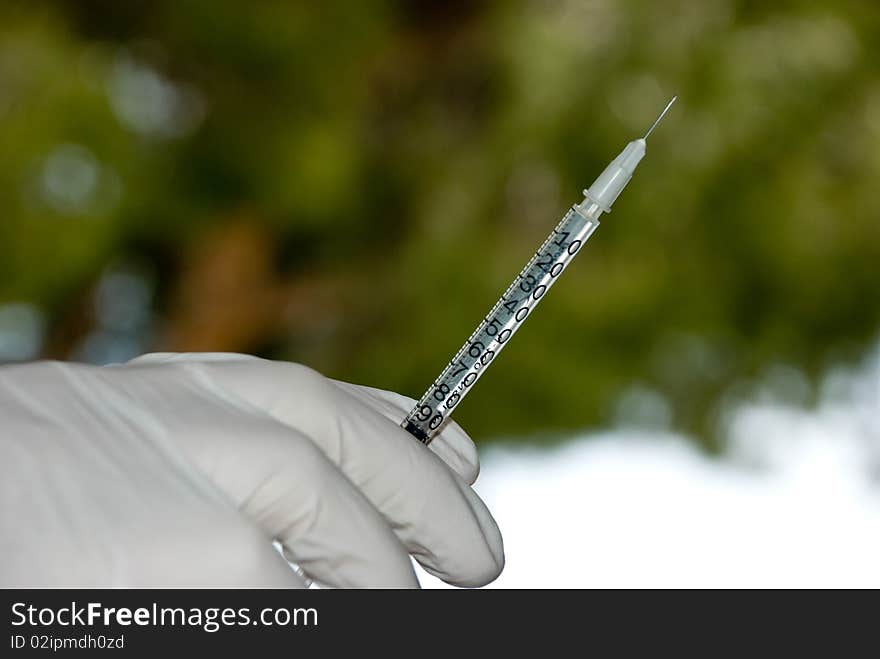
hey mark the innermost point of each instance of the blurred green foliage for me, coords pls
(399, 161)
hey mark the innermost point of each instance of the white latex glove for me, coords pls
(181, 469)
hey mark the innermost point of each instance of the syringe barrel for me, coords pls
(505, 318)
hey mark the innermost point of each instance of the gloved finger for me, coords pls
(255, 563)
(268, 569)
(436, 515)
(160, 357)
(283, 482)
(452, 444)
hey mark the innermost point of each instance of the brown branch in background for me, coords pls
(228, 297)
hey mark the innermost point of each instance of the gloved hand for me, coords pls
(181, 469)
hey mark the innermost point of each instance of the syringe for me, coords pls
(523, 295)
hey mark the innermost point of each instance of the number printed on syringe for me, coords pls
(505, 318)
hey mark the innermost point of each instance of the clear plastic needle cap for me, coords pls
(613, 180)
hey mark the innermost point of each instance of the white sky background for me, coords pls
(794, 503)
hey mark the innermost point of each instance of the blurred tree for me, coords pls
(350, 185)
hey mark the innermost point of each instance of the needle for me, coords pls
(662, 114)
